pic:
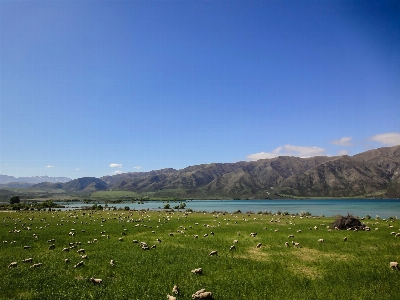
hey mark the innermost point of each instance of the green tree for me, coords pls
(14, 200)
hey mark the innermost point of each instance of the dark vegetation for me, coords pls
(348, 222)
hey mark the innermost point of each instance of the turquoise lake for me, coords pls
(383, 208)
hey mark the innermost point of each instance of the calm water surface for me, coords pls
(328, 207)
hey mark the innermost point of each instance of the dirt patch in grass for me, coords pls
(306, 271)
(308, 254)
(256, 254)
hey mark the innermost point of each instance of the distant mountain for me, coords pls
(85, 184)
(374, 173)
(4, 179)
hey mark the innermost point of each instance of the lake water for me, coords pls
(328, 207)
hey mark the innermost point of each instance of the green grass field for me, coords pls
(355, 269)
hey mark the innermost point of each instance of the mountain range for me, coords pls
(374, 173)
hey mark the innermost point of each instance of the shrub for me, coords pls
(349, 221)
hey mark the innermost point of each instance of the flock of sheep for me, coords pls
(200, 294)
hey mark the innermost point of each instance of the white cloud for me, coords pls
(343, 152)
(118, 172)
(344, 141)
(390, 138)
(49, 166)
(137, 167)
(289, 150)
(115, 165)
(77, 169)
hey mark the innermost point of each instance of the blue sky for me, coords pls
(93, 88)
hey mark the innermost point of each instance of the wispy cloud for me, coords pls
(344, 141)
(49, 166)
(115, 165)
(390, 138)
(118, 172)
(77, 169)
(137, 167)
(343, 152)
(289, 150)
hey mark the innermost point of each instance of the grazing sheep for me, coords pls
(14, 264)
(38, 265)
(394, 265)
(158, 240)
(112, 263)
(66, 260)
(65, 249)
(232, 247)
(169, 297)
(321, 240)
(195, 236)
(214, 252)
(290, 236)
(121, 239)
(175, 290)
(84, 256)
(30, 259)
(344, 239)
(27, 247)
(259, 245)
(286, 244)
(297, 245)
(205, 235)
(253, 234)
(153, 247)
(79, 264)
(135, 241)
(202, 294)
(52, 247)
(96, 280)
(197, 271)
(81, 251)
(235, 241)
(298, 231)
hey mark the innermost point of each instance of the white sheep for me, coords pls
(235, 241)
(36, 265)
(290, 236)
(259, 245)
(394, 265)
(30, 259)
(52, 247)
(232, 247)
(214, 252)
(96, 280)
(14, 264)
(202, 294)
(112, 263)
(286, 244)
(79, 264)
(344, 239)
(175, 290)
(321, 240)
(197, 271)
(81, 251)
(65, 249)
(169, 297)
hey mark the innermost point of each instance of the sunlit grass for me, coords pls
(357, 268)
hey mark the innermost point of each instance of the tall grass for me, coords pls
(357, 268)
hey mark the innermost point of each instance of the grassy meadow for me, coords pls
(335, 269)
